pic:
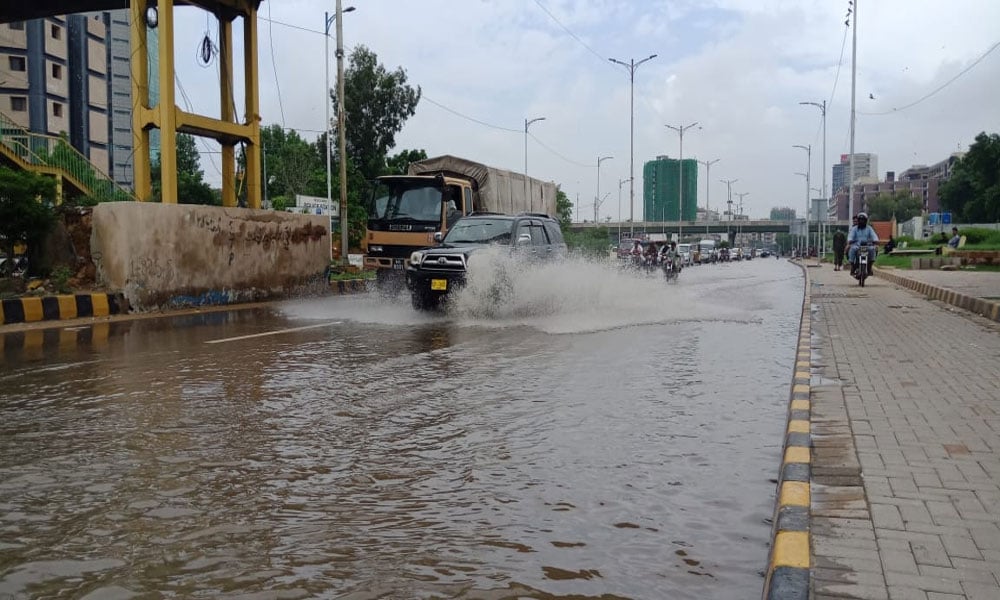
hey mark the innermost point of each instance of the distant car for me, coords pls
(434, 273)
(765, 253)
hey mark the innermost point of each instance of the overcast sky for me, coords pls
(737, 67)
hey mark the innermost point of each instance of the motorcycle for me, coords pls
(862, 269)
(670, 269)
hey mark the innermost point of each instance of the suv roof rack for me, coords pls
(480, 213)
(534, 214)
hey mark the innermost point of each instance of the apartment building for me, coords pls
(70, 76)
(920, 181)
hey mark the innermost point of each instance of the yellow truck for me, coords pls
(405, 211)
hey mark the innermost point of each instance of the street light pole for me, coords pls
(680, 129)
(621, 182)
(729, 194)
(527, 186)
(822, 108)
(808, 149)
(329, 19)
(632, 66)
(739, 224)
(708, 187)
(600, 159)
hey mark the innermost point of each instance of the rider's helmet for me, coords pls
(862, 219)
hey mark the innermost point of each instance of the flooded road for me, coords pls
(606, 436)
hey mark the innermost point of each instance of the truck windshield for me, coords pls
(479, 231)
(410, 201)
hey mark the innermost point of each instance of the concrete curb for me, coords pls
(70, 306)
(980, 306)
(349, 286)
(788, 569)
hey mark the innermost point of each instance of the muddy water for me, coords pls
(603, 436)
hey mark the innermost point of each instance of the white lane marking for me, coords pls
(267, 333)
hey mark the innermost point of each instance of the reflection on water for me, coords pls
(397, 455)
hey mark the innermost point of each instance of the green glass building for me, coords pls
(661, 183)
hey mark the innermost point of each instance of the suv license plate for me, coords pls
(439, 284)
(397, 265)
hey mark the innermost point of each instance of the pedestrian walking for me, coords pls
(839, 243)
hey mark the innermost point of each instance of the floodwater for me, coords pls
(603, 435)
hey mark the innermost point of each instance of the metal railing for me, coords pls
(48, 153)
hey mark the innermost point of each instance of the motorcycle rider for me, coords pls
(669, 253)
(861, 234)
(650, 254)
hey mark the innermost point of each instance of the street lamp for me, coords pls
(822, 107)
(806, 244)
(328, 20)
(852, 14)
(808, 149)
(739, 224)
(600, 159)
(631, 66)
(708, 188)
(621, 182)
(680, 129)
(527, 187)
(729, 194)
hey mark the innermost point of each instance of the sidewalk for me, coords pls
(905, 479)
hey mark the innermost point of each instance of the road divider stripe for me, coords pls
(276, 332)
(32, 309)
(788, 570)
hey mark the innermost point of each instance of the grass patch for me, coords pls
(898, 262)
(349, 275)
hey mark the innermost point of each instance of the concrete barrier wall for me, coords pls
(168, 255)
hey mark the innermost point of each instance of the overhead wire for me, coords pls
(274, 66)
(937, 89)
(190, 108)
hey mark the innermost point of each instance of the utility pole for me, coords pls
(854, 79)
(739, 224)
(822, 108)
(708, 186)
(527, 185)
(729, 193)
(680, 129)
(632, 66)
(808, 149)
(597, 198)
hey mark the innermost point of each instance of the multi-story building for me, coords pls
(70, 76)
(865, 165)
(661, 181)
(920, 181)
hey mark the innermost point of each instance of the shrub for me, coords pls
(60, 279)
(979, 235)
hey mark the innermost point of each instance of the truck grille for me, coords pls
(443, 262)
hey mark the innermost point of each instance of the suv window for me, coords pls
(538, 237)
(555, 234)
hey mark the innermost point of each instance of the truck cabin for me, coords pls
(418, 203)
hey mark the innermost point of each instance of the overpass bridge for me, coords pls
(711, 227)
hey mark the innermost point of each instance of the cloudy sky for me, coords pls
(737, 67)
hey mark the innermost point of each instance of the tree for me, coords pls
(293, 166)
(191, 187)
(973, 190)
(399, 163)
(902, 205)
(564, 209)
(26, 213)
(376, 105)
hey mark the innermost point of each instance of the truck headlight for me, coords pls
(416, 257)
(375, 249)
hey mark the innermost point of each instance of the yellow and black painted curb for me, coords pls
(349, 286)
(980, 306)
(789, 564)
(70, 306)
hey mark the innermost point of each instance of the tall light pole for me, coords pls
(729, 194)
(708, 187)
(680, 129)
(621, 182)
(597, 200)
(854, 80)
(822, 108)
(631, 66)
(808, 149)
(527, 186)
(328, 20)
(739, 225)
(805, 245)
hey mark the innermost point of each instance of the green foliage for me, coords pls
(293, 165)
(279, 203)
(60, 279)
(979, 236)
(903, 205)
(377, 103)
(564, 210)
(26, 213)
(784, 213)
(592, 243)
(784, 241)
(973, 190)
(399, 163)
(191, 187)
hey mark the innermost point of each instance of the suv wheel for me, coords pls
(423, 301)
